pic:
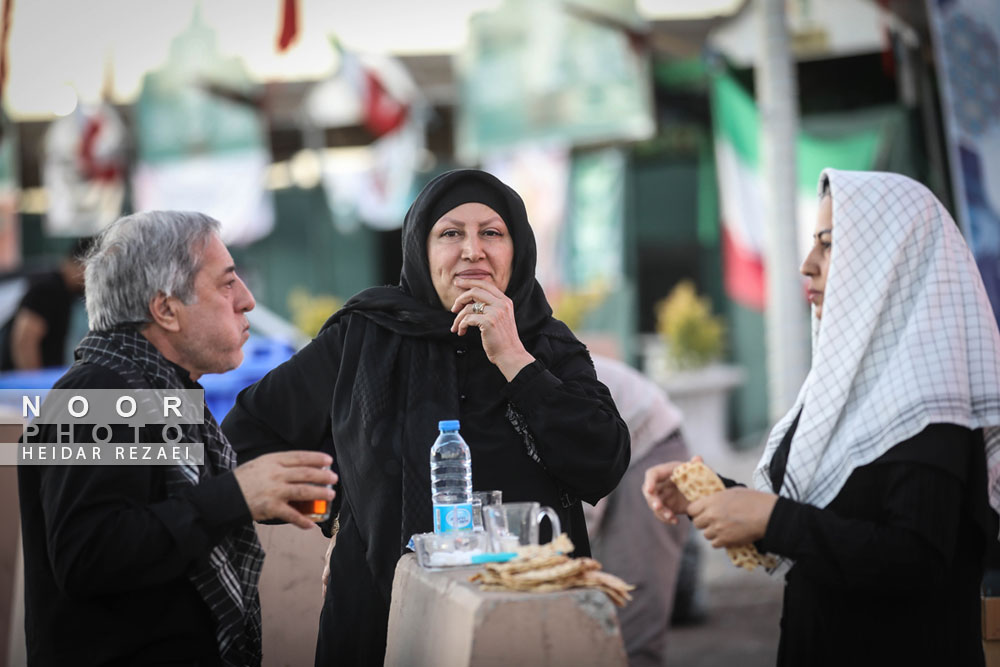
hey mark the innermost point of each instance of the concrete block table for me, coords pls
(439, 619)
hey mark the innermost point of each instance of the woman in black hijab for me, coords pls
(467, 334)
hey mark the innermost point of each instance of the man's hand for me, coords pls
(271, 481)
(662, 495)
(733, 517)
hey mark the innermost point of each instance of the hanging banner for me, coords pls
(10, 221)
(552, 71)
(541, 176)
(372, 184)
(967, 49)
(598, 294)
(201, 140)
(597, 219)
(83, 171)
(741, 190)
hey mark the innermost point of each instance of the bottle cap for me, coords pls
(448, 425)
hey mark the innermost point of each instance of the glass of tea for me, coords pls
(316, 510)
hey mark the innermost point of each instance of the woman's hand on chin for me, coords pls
(484, 306)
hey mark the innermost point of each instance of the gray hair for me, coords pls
(139, 256)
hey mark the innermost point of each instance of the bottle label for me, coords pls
(448, 518)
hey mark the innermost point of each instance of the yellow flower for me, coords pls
(310, 311)
(573, 306)
(684, 321)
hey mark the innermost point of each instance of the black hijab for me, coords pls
(413, 308)
(397, 375)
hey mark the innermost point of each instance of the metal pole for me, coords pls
(786, 319)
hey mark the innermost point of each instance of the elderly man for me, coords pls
(156, 564)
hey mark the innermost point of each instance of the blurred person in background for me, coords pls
(873, 488)
(467, 334)
(35, 336)
(623, 533)
(155, 564)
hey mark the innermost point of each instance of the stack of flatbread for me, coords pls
(546, 569)
(696, 480)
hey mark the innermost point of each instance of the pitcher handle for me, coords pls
(546, 511)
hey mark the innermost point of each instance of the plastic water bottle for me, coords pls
(451, 480)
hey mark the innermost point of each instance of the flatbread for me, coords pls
(696, 480)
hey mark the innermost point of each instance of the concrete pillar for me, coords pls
(786, 317)
(291, 593)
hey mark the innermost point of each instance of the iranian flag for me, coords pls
(741, 190)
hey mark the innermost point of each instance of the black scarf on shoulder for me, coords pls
(397, 376)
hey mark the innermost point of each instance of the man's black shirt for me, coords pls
(107, 552)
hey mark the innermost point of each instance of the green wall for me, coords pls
(305, 250)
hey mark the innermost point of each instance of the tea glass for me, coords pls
(510, 525)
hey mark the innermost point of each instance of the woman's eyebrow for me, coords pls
(486, 221)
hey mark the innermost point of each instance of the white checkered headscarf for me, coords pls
(907, 339)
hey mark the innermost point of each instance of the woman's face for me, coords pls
(470, 241)
(816, 266)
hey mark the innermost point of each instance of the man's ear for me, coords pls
(163, 310)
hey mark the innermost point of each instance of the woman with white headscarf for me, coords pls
(873, 488)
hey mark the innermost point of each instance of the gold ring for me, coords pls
(478, 307)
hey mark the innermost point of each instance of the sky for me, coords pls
(62, 50)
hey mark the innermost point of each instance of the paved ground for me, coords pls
(741, 627)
